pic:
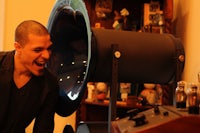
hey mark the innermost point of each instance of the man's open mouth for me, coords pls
(40, 63)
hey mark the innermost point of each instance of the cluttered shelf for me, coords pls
(133, 15)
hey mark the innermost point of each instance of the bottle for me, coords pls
(161, 22)
(193, 101)
(181, 96)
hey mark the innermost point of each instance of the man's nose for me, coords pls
(46, 54)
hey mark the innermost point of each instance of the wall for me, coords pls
(11, 15)
(60, 123)
(2, 8)
(19, 10)
(187, 27)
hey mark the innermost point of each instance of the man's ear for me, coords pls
(17, 47)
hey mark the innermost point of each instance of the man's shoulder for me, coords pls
(5, 54)
(2, 55)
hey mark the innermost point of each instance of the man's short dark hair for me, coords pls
(29, 27)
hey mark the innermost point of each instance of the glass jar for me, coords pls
(181, 96)
(193, 102)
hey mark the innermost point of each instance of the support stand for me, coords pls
(114, 86)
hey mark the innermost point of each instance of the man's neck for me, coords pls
(21, 76)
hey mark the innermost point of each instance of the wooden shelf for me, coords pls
(98, 111)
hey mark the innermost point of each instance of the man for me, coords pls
(27, 89)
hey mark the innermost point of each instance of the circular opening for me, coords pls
(69, 51)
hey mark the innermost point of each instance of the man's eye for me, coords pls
(37, 50)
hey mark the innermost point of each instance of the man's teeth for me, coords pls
(40, 63)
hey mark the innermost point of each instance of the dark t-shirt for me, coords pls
(40, 101)
(24, 101)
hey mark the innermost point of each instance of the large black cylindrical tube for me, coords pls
(145, 57)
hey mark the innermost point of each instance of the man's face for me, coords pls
(35, 54)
